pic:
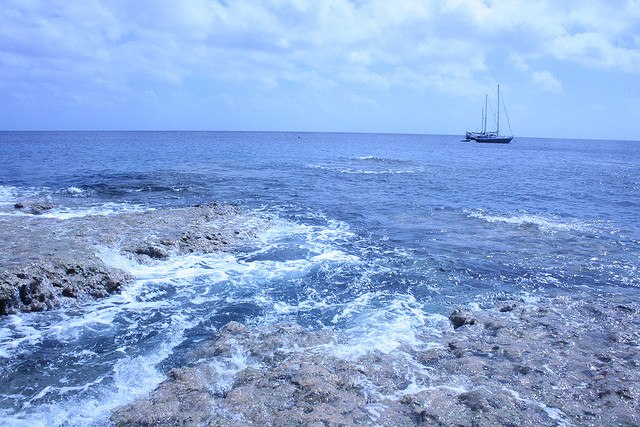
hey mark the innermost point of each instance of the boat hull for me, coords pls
(488, 137)
(494, 140)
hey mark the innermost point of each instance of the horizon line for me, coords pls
(297, 132)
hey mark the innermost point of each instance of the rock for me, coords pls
(152, 251)
(461, 317)
(34, 208)
(508, 370)
(625, 308)
(507, 308)
(285, 379)
(48, 263)
(47, 285)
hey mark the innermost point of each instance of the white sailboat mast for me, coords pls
(484, 121)
(498, 119)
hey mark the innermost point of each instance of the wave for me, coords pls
(77, 396)
(65, 212)
(10, 195)
(64, 203)
(117, 349)
(7, 194)
(103, 209)
(544, 222)
(74, 192)
(375, 159)
(363, 171)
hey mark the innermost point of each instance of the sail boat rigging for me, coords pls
(484, 136)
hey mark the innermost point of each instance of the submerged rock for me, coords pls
(34, 208)
(47, 263)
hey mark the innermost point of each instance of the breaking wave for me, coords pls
(544, 222)
(359, 171)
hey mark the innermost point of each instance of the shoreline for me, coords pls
(562, 360)
(47, 263)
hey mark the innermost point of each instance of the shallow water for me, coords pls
(378, 236)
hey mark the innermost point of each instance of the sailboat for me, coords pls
(472, 135)
(484, 136)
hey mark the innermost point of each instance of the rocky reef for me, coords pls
(48, 262)
(549, 363)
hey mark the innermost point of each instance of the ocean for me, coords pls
(378, 236)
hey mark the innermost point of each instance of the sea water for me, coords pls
(378, 236)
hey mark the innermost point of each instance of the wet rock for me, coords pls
(507, 370)
(285, 378)
(47, 263)
(493, 327)
(34, 208)
(466, 365)
(47, 285)
(625, 308)
(507, 308)
(152, 251)
(461, 317)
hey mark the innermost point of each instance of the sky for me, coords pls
(566, 69)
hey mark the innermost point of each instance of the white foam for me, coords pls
(131, 377)
(10, 194)
(104, 209)
(306, 305)
(553, 413)
(71, 328)
(398, 321)
(358, 171)
(134, 377)
(547, 223)
(80, 212)
(225, 269)
(74, 191)
(251, 272)
(7, 194)
(380, 159)
(283, 230)
(226, 369)
(17, 332)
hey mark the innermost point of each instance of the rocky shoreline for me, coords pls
(550, 363)
(48, 263)
(528, 362)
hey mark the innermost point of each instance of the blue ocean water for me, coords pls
(372, 234)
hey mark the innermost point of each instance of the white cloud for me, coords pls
(202, 36)
(593, 49)
(170, 41)
(120, 49)
(547, 81)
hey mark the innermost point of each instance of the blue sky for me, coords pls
(568, 69)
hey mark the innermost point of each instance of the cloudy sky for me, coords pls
(568, 69)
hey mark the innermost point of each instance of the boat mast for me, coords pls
(484, 116)
(498, 120)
